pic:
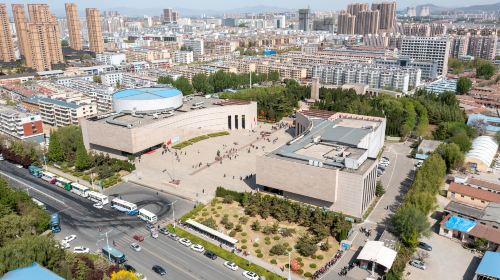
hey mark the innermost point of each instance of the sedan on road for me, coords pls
(164, 231)
(64, 245)
(197, 248)
(136, 247)
(128, 267)
(158, 269)
(174, 236)
(210, 255)
(231, 265)
(98, 205)
(81, 250)
(418, 264)
(69, 238)
(425, 246)
(139, 238)
(251, 275)
(186, 242)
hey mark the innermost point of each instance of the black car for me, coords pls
(128, 267)
(210, 255)
(164, 231)
(425, 246)
(158, 269)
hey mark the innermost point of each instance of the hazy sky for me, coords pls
(230, 4)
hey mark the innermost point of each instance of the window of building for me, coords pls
(229, 122)
(243, 125)
(235, 121)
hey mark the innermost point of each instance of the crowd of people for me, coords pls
(328, 265)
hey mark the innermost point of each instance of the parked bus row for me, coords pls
(83, 191)
(66, 184)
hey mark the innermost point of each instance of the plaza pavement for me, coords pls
(198, 171)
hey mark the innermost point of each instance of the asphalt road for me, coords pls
(89, 224)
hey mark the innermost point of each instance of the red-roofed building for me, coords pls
(472, 196)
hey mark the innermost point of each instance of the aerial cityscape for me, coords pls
(249, 140)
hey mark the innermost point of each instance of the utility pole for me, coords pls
(250, 78)
(173, 212)
(107, 243)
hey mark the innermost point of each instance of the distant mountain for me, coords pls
(434, 9)
(259, 9)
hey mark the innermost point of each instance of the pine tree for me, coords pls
(55, 152)
(82, 161)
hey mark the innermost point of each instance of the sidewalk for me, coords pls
(71, 177)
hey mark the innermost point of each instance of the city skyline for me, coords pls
(229, 6)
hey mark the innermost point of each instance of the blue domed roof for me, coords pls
(146, 93)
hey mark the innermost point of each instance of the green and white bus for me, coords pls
(63, 183)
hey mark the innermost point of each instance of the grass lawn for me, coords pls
(255, 242)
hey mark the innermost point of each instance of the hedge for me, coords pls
(241, 262)
(191, 141)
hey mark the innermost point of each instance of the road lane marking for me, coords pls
(30, 187)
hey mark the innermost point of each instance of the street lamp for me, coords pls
(173, 211)
(107, 243)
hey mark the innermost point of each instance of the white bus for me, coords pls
(79, 189)
(49, 177)
(124, 206)
(147, 216)
(97, 197)
(39, 203)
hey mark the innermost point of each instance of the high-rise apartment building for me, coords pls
(6, 45)
(387, 15)
(428, 48)
(367, 22)
(424, 11)
(20, 22)
(483, 46)
(196, 45)
(39, 37)
(170, 16)
(96, 42)
(411, 11)
(459, 45)
(73, 21)
(355, 8)
(346, 23)
(305, 22)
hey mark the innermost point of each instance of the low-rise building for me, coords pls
(481, 155)
(184, 57)
(426, 147)
(331, 163)
(108, 58)
(20, 125)
(60, 113)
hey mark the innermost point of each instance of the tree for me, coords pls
(97, 79)
(485, 70)
(83, 160)
(464, 84)
(410, 223)
(201, 84)
(278, 249)
(452, 155)
(123, 275)
(165, 80)
(183, 85)
(462, 140)
(55, 152)
(379, 190)
(64, 43)
(306, 246)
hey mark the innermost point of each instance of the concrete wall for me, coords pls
(467, 200)
(181, 126)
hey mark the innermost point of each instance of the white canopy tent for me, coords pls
(375, 251)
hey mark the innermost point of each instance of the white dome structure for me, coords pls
(145, 100)
(482, 153)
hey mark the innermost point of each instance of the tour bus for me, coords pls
(113, 254)
(124, 206)
(55, 225)
(39, 203)
(35, 171)
(79, 189)
(63, 183)
(197, 105)
(147, 216)
(97, 197)
(49, 177)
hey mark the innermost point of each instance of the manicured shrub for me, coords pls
(276, 237)
(232, 233)
(243, 234)
(244, 247)
(320, 257)
(313, 265)
(243, 241)
(256, 244)
(258, 251)
(273, 261)
(308, 275)
(260, 255)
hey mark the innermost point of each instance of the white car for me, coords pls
(69, 238)
(98, 205)
(136, 247)
(197, 248)
(186, 242)
(231, 265)
(80, 250)
(251, 275)
(19, 166)
(64, 245)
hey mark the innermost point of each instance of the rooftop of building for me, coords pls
(138, 119)
(328, 142)
(474, 192)
(148, 93)
(17, 111)
(489, 265)
(34, 271)
(38, 99)
(483, 183)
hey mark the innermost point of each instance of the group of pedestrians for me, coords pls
(328, 265)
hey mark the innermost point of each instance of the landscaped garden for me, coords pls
(191, 141)
(271, 227)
